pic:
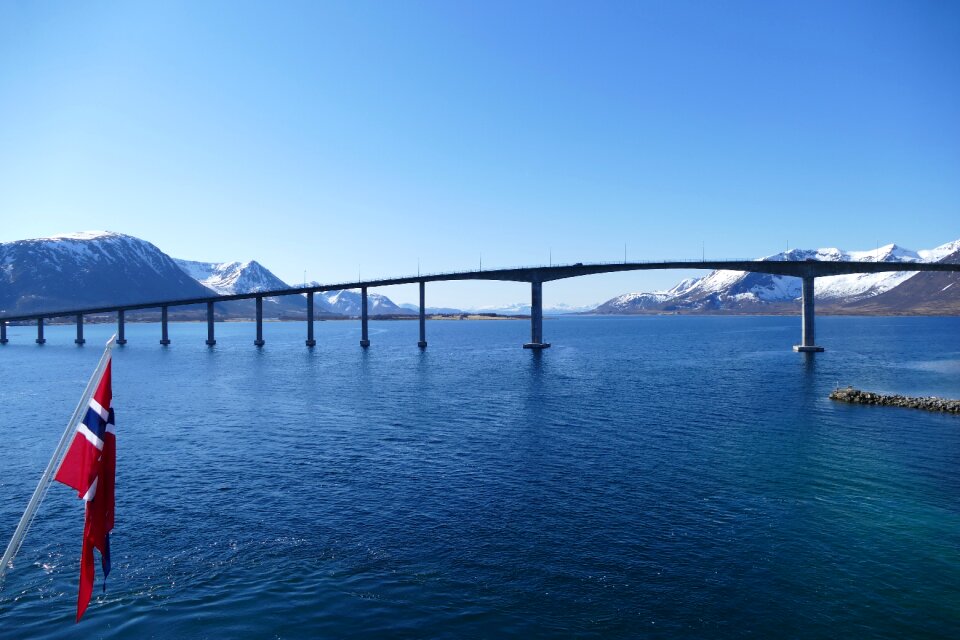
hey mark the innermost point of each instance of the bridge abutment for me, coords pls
(808, 338)
(310, 341)
(423, 316)
(364, 335)
(536, 317)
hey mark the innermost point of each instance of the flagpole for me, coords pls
(38, 494)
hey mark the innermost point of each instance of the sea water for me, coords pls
(644, 477)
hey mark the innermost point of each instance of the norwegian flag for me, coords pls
(89, 466)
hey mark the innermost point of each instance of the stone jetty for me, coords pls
(856, 396)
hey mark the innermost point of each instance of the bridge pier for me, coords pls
(211, 340)
(423, 316)
(79, 339)
(808, 341)
(40, 338)
(3, 332)
(536, 317)
(364, 335)
(310, 341)
(164, 335)
(120, 323)
(259, 341)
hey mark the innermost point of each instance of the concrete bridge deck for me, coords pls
(808, 270)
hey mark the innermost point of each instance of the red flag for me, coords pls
(89, 466)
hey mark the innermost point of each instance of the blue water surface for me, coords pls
(682, 477)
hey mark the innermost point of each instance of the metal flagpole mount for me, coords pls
(36, 499)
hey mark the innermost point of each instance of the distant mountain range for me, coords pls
(104, 268)
(415, 308)
(523, 309)
(247, 277)
(347, 302)
(896, 292)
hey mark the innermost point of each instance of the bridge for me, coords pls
(807, 270)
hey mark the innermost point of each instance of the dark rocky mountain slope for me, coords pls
(88, 269)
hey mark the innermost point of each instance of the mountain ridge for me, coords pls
(723, 291)
(90, 268)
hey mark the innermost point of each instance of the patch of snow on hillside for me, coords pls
(886, 253)
(349, 302)
(780, 288)
(716, 281)
(658, 296)
(683, 286)
(199, 271)
(85, 235)
(939, 253)
(855, 286)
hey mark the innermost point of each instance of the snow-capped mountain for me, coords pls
(744, 291)
(932, 292)
(561, 308)
(742, 287)
(347, 302)
(633, 302)
(523, 309)
(232, 277)
(104, 268)
(515, 309)
(88, 269)
(96, 268)
(248, 277)
(432, 310)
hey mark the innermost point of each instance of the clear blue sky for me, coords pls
(336, 136)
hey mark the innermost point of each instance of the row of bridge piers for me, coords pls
(807, 344)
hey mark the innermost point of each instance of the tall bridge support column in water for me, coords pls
(423, 316)
(40, 338)
(3, 332)
(364, 336)
(79, 339)
(310, 341)
(164, 334)
(259, 341)
(211, 339)
(808, 341)
(120, 323)
(536, 317)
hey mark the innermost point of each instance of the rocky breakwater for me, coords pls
(856, 396)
